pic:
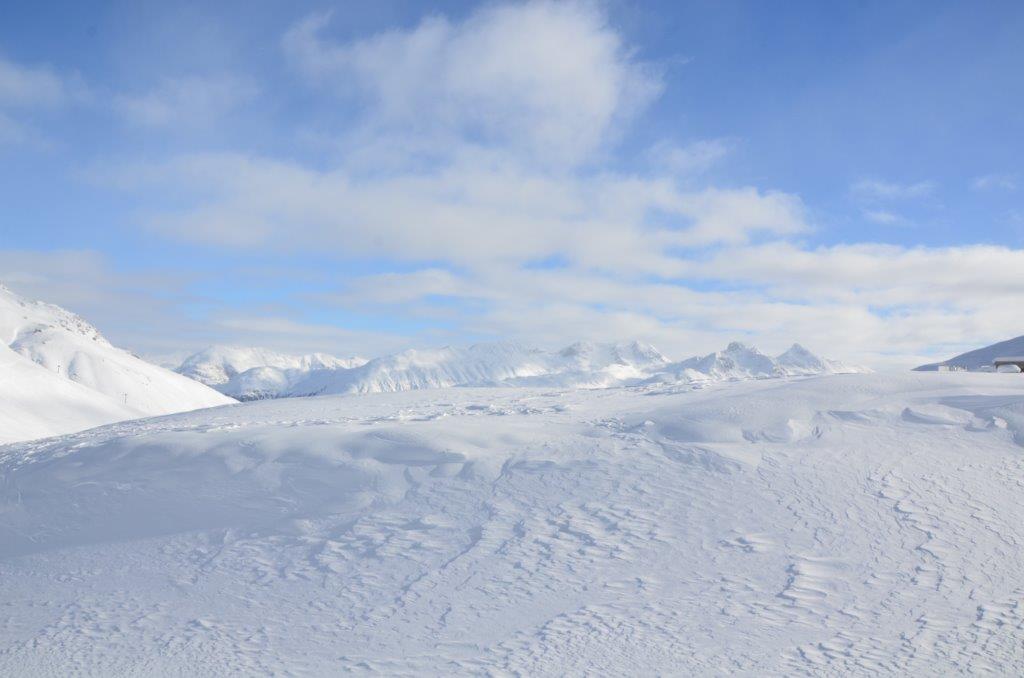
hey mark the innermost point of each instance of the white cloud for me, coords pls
(733, 216)
(889, 276)
(549, 80)
(879, 304)
(186, 101)
(874, 189)
(884, 217)
(988, 182)
(26, 92)
(30, 86)
(471, 155)
(692, 158)
(466, 214)
(153, 313)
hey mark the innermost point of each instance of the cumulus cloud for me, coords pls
(186, 101)
(550, 80)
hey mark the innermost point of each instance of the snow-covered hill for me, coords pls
(980, 359)
(58, 374)
(844, 525)
(581, 365)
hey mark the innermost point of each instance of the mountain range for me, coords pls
(255, 374)
(59, 373)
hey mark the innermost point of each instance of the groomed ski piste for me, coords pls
(867, 524)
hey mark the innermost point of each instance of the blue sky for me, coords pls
(362, 177)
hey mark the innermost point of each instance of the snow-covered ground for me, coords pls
(867, 524)
(59, 374)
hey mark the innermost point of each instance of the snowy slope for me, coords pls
(252, 373)
(36, 402)
(980, 359)
(849, 524)
(62, 375)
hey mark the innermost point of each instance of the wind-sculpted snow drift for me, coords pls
(581, 365)
(58, 374)
(844, 524)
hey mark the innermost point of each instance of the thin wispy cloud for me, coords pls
(887, 190)
(26, 86)
(186, 101)
(693, 158)
(883, 217)
(1001, 182)
(27, 91)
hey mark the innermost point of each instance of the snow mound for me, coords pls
(59, 374)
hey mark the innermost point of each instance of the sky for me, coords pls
(363, 177)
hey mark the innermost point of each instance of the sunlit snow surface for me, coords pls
(864, 524)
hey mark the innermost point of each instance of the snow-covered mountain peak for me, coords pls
(22, 318)
(796, 356)
(591, 355)
(737, 361)
(219, 364)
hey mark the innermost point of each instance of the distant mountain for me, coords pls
(59, 374)
(739, 361)
(252, 373)
(580, 365)
(981, 358)
(505, 363)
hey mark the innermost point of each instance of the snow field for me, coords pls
(849, 524)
